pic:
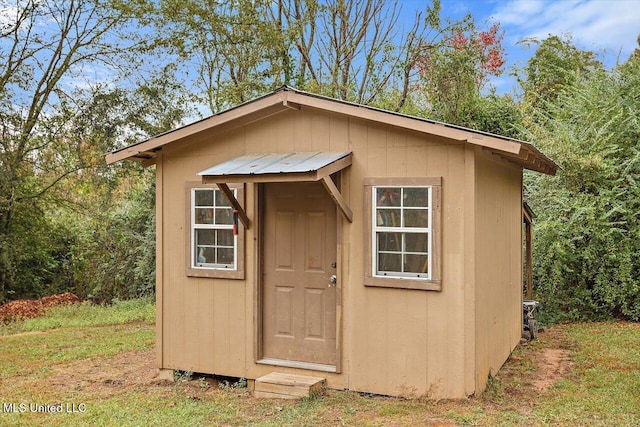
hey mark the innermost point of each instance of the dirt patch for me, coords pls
(553, 365)
(530, 371)
(109, 375)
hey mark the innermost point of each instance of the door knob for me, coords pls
(332, 280)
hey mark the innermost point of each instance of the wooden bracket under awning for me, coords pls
(336, 196)
(228, 194)
(289, 167)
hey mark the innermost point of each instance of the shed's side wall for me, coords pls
(392, 341)
(498, 263)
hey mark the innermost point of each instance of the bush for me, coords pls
(587, 230)
(114, 254)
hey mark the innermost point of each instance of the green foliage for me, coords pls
(454, 72)
(114, 252)
(25, 354)
(233, 385)
(556, 63)
(604, 381)
(491, 113)
(37, 262)
(55, 127)
(587, 230)
(87, 314)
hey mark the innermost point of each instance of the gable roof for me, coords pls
(519, 152)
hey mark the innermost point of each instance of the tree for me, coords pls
(232, 46)
(453, 76)
(557, 62)
(347, 49)
(46, 50)
(587, 243)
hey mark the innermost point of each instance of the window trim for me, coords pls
(434, 282)
(212, 272)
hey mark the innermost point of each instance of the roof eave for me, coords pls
(286, 98)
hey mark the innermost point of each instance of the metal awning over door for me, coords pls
(278, 167)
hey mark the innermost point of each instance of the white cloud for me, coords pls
(594, 24)
(8, 14)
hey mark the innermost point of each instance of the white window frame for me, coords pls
(371, 279)
(190, 265)
(402, 230)
(194, 227)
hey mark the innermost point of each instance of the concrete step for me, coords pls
(277, 385)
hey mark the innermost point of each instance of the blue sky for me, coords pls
(607, 26)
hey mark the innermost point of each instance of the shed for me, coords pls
(380, 251)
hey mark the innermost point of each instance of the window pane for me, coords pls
(416, 218)
(416, 242)
(204, 216)
(205, 237)
(224, 216)
(416, 197)
(388, 197)
(390, 242)
(205, 255)
(221, 200)
(204, 197)
(225, 237)
(389, 262)
(416, 263)
(388, 217)
(225, 256)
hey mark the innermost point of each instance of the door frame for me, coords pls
(259, 287)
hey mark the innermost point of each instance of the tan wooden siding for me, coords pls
(498, 292)
(393, 341)
(405, 341)
(159, 262)
(209, 323)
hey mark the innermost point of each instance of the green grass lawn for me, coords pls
(96, 364)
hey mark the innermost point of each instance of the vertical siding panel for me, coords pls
(262, 138)
(339, 133)
(418, 346)
(191, 345)
(174, 321)
(221, 353)
(470, 284)
(377, 351)
(377, 347)
(236, 146)
(285, 141)
(445, 330)
(396, 153)
(399, 342)
(236, 324)
(302, 130)
(516, 250)
(376, 152)
(159, 350)
(251, 283)
(206, 342)
(455, 301)
(319, 130)
(416, 301)
(353, 292)
(436, 360)
(417, 162)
